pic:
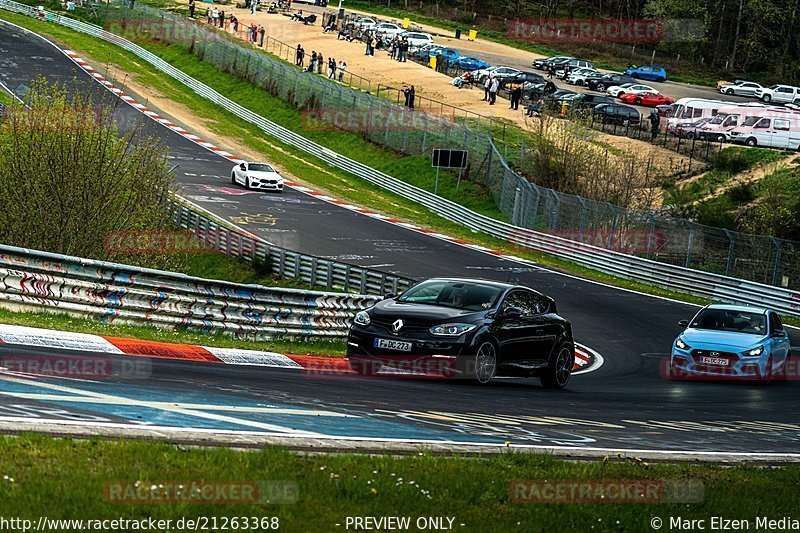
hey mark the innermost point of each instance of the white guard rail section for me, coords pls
(695, 282)
(114, 292)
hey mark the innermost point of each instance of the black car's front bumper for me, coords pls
(427, 355)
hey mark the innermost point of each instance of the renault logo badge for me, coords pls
(397, 325)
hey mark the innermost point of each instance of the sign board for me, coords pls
(443, 158)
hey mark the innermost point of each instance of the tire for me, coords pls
(751, 142)
(637, 101)
(729, 92)
(690, 136)
(557, 374)
(660, 79)
(365, 367)
(481, 367)
(233, 178)
(601, 87)
(579, 82)
(720, 138)
(767, 377)
(766, 98)
(247, 183)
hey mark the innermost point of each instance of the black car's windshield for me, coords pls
(729, 320)
(467, 295)
(260, 167)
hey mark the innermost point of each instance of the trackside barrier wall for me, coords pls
(114, 292)
(315, 271)
(517, 192)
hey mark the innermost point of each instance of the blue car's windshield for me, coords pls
(459, 294)
(729, 320)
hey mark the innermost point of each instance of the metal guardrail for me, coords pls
(315, 271)
(129, 294)
(695, 282)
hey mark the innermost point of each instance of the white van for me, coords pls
(688, 110)
(727, 118)
(770, 127)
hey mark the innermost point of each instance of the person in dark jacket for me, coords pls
(516, 95)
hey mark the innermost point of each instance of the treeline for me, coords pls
(759, 38)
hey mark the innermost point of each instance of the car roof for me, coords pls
(745, 308)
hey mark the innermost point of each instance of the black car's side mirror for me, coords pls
(512, 312)
(683, 324)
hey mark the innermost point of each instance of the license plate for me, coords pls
(714, 361)
(388, 344)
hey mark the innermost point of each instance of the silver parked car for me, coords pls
(740, 88)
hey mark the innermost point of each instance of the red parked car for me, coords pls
(647, 99)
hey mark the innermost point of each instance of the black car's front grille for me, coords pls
(408, 325)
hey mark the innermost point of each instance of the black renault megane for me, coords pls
(473, 329)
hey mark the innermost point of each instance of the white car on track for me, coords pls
(630, 88)
(257, 176)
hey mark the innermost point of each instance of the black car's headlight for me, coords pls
(362, 318)
(451, 330)
(755, 352)
(682, 345)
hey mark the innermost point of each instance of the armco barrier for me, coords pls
(315, 271)
(122, 293)
(704, 284)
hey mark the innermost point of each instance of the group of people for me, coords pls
(409, 93)
(490, 87)
(317, 64)
(399, 48)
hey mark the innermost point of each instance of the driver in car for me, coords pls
(459, 298)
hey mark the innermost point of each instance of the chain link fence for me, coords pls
(417, 132)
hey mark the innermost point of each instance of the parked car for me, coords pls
(564, 69)
(470, 63)
(665, 110)
(423, 51)
(257, 176)
(589, 100)
(476, 329)
(554, 100)
(740, 88)
(630, 88)
(451, 56)
(617, 114)
(648, 72)
(389, 28)
(770, 127)
(601, 82)
(365, 23)
(719, 126)
(692, 109)
(416, 39)
(501, 73)
(646, 99)
(578, 76)
(733, 342)
(691, 130)
(543, 62)
(524, 77)
(778, 94)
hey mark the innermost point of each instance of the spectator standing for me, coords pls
(487, 83)
(253, 6)
(373, 44)
(493, 91)
(298, 56)
(406, 90)
(320, 63)
(516, 94)
(655, 123)
(342, 69)
(208, 15)
(404, 49)
(393, 49)
(312, 67)
(215, 17)
(331, 68)
(222, 19)
(191, 9)
(261, 32)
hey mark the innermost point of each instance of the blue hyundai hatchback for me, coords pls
(471, 63)
(647, 72)
(727, 341)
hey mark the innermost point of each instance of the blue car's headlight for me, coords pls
(682, 345)
(361, 318)
(755, 352)
(451, 330)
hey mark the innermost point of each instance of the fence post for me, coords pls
(515, 211)
(689, 243)
(613, 225)
(776, 271)
(731, 247)
(583, 218)
(555, 210)
(651, 235)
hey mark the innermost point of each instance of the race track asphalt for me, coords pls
(625, 402)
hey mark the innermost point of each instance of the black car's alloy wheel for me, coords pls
(557, 375)
(484, 363)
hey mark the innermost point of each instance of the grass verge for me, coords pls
(64, 322)
(307, 168)
(73, 479)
